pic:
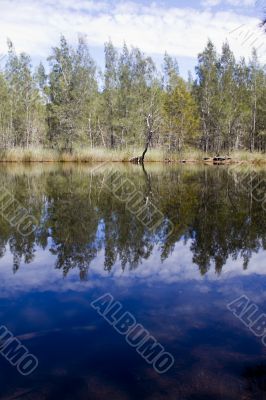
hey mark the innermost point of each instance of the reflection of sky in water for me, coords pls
(81, 356)
(41, 275)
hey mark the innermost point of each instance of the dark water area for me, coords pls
(176, 277)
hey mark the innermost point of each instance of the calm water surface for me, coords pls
(177, 285)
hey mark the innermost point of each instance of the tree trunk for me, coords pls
(140, 160)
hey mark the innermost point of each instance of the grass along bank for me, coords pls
(97, 154)
(90, 155)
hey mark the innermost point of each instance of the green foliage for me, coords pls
(229, 95)
(22, 118)
(74, 104)
(181, 116)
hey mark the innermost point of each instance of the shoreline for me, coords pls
(202, 162)
(100, 155)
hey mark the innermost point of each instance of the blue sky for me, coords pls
(179, 27)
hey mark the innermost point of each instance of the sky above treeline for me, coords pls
(180, 27)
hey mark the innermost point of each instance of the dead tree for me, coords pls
(140, 159)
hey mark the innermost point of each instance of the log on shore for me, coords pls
(217, 160)
(136, 160)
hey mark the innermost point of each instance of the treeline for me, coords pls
(73, 103)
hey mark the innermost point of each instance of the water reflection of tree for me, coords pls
(79, 217)
(222, 228)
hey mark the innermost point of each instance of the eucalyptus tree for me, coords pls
(243, 109)
(110, 91)
(146, 95)
(4, 113)
(226, 100)
(181, 115)
(72, 88)
(61, 106)
(207, 88)
(170, 72)
(26, 113)
(257, 85)
(85, 92)
(74, 104)
(131, 93)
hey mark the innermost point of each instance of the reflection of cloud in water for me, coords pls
(34, 335)
(40, 275)
(195, 326)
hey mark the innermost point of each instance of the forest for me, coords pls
(71, 103)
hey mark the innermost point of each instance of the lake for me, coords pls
(170, 245)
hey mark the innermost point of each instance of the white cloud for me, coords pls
(41, 275)
(243, 3)
(35, 26)
(211, 3)
(234, 3)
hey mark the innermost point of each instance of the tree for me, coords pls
(125, 97)
(74, 104)
(85, 82)
(181, 115)
(256, 92)
(207, 88)
(72, 94)
(4, 113)
(110, 90)
(61, 107)
(226, 101)
(26, 111)
(170, 72)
